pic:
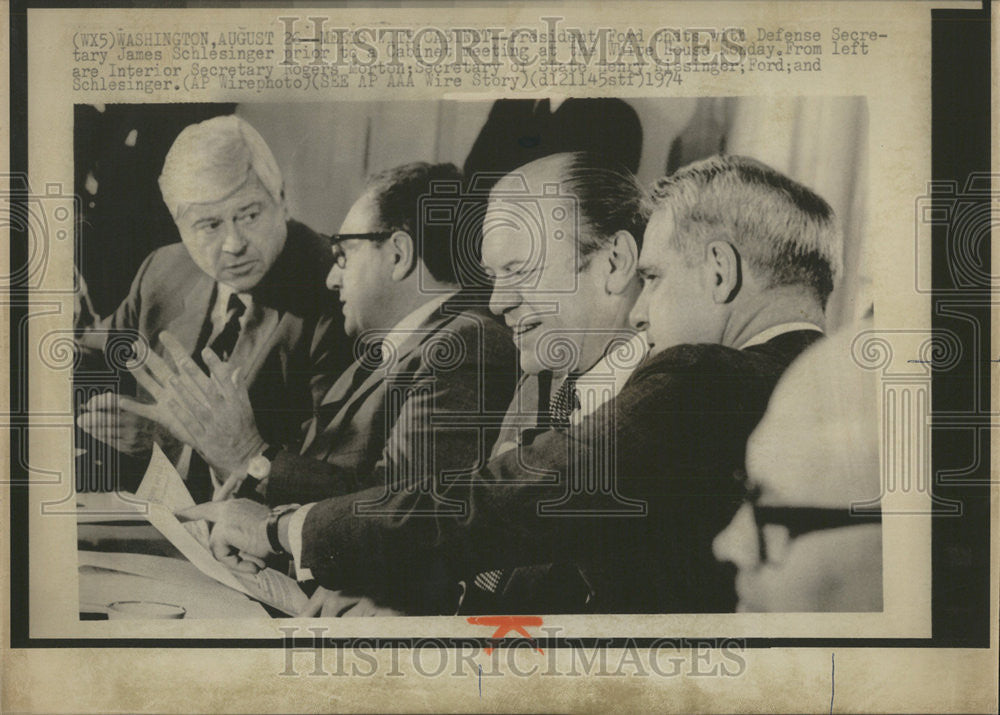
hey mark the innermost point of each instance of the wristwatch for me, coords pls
(272, 527)
(259, 467)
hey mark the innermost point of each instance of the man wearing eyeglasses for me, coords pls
(737, 263)
(426, 350)
(244, 284)
(809, 537)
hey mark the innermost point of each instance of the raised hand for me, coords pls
(130, 426)
(213, 411)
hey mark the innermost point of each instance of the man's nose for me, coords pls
(503, 299)
(234, 241)
(638, 317)
(738, 542)
(333, 277)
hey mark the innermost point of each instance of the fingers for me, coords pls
(315, 604)
(250, 558)
(187, 377)
(248, 563)
(230, 486)
(188, 373)
(142, 409)
(209, 511)
(144, 375)
(229, 555)
(222, 374)
(103, 401)
(191, 407)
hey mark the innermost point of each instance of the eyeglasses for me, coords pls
(777, 525)
(337, 238)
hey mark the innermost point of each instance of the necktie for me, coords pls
(226, 340)
(564, 403)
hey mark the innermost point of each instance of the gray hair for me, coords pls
(212, 159)
(784, 231)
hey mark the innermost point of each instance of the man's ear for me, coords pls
(725, 270)
(622, 260)
(404, 254)
(283, 204)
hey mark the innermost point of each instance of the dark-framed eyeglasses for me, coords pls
(777, 526)
(337, 239)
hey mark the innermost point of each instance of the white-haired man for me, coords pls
(737, 263)
(246, 282)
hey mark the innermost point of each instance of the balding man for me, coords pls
(809, 537)
(245, 282)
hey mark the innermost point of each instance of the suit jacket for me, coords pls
(518, 131)
(292, 346)
(679, 430)
(433, 408)
(525, 417)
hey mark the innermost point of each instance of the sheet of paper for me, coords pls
(276, 589)
(166, 493)
(163, 484)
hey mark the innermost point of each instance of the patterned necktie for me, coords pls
(564, 403)
(226, 340)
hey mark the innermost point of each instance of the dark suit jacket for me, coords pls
(434, 409)
(526, 415)
(680, 426)
(293, 345)
(517, 132)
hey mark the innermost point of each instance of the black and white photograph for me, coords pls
(569, 357)
(400, 357)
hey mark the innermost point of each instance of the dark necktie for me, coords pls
(226, 340)
(564, 403)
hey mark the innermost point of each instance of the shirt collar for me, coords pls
(605, 379)
(219, 313)
(776, 330)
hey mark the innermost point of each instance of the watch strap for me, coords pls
(272, 527)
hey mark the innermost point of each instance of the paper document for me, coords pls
(166, 493)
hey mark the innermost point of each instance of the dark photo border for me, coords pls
(961, 409)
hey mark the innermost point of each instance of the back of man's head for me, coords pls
(783, 231)
(398, 193)
(607, 195)
(210, 160)
(610, 199)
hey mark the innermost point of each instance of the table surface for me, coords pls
(124, 558)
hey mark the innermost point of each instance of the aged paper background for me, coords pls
(895, 80)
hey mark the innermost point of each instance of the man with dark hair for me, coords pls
(629, 497)
(425, 348)
(520, 131)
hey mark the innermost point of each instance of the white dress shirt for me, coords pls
(775, 330)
